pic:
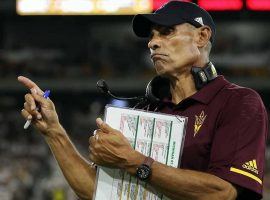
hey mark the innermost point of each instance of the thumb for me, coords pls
(103, 126)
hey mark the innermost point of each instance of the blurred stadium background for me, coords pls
(67, 45)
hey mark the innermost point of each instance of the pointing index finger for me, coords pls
(29, 84)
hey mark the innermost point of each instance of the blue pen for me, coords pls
(46, 94)
(28, 122)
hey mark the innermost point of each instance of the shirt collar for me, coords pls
(207, 93)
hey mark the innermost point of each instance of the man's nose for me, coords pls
(154, 43)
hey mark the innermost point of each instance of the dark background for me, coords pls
(68, 54)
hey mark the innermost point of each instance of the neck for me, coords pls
(182, 87)
(182, 84)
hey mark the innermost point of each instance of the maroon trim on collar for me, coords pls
(205, 94)
(208, 92)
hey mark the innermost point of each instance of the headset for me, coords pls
(203, 75)
(159, 87)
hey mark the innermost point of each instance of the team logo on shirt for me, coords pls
(199, 122)
(251, 166)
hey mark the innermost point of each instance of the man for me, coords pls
(223, 155)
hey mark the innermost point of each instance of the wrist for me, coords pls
(54, 131)
(144, 171)
(134, 161)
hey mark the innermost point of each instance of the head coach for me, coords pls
(224, 150)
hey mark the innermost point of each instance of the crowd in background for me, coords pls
(60, 50)
(28, 171)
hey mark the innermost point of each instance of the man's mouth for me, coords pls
(157, 56)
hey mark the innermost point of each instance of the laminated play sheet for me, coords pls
(158, 135)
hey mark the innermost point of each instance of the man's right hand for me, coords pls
(45, 119)
(77, 171)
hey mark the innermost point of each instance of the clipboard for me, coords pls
(158, 135)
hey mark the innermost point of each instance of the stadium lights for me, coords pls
(83, 7)
(158, 3)
(221, 5)
(33, 6)
(126, 7)
(78, 6)
(260, 5)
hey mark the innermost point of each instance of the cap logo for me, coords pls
(199, 20)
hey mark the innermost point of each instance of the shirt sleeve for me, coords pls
(238, 148)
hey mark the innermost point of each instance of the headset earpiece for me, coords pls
(204, 75)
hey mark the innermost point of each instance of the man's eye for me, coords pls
(166, 31)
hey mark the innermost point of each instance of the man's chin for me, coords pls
(160, 70)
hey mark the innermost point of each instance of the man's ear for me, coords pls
(204, 35)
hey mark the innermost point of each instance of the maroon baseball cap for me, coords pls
(173, 13)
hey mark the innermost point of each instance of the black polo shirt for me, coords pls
(226, 133)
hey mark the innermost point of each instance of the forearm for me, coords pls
(188, 184)
(77, 171)
(179, 184)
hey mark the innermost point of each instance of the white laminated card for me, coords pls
(158, 135)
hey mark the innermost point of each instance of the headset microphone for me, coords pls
(159, 87)
(104, 88)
